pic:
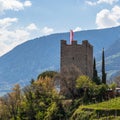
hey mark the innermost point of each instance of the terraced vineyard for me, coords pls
(107, 110)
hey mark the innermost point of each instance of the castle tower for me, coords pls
(79, 55)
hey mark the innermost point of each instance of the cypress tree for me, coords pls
(94, 69)
(96, 79)
(103, 68)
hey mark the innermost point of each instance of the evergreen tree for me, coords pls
(94, 69)
(103, 68)
(96, 79)
(49, 74)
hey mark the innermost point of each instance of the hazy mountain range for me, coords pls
(29, 59)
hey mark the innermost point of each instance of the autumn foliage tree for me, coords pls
(12, 102)
(41, 100)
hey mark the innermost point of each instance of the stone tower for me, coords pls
(79, 55)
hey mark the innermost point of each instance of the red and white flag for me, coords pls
(71, 36)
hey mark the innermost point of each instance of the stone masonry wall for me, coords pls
(80, 55)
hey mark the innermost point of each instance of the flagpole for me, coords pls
(71, 36)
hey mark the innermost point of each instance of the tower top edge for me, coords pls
(74, 42)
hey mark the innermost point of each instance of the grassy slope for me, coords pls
(96, 111)
(110, 105)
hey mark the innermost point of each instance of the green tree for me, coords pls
(49, 74)
(28, 108)
(88, 86)
(92, 92)
(102, 90)
(38, 98)
(95, 78)
(113, 86)
(103, 68)
(83, 82)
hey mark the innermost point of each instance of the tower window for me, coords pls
(73, 58)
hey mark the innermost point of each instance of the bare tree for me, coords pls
(117, 81)
(67, 79)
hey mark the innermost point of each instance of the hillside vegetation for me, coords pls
(104, 110)
(112, 104)
(40, 100)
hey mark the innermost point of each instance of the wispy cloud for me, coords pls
(6, 22)
(15, 5)
(47, 30)
(108, 18)
(31, 27)
(91, 3)
(101, 2)
(77, 29)
(27, 3)
(10, 37)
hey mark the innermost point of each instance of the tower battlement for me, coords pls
(79, 55)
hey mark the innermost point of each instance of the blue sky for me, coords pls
(22, 20)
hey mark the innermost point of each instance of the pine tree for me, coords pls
(96, 79)
(103, 68)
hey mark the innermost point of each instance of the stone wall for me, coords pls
(79, 55)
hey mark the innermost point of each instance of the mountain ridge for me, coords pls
(29, 59)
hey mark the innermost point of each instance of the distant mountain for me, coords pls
(112, 57)
(29, 59)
